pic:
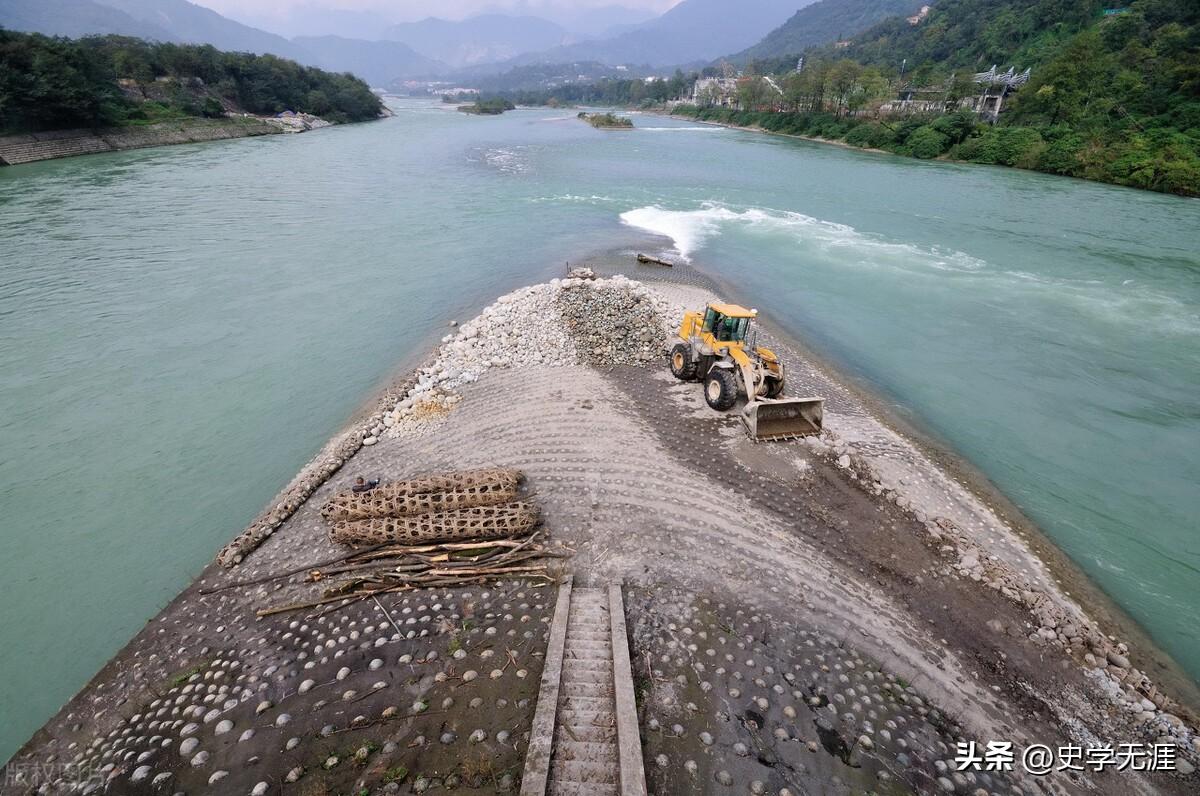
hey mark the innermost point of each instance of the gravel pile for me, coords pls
(564, 322)
(615, 321)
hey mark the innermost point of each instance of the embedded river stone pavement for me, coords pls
(790, 630)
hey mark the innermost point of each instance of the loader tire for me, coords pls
(720, 389)
(774, 388)
(683, 367)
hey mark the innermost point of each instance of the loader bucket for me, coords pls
(783, 418)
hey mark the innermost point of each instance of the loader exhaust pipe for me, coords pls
(783, 418)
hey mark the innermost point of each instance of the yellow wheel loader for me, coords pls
(712, 348)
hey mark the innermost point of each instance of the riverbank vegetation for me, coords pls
(108, 81)
(1113, 95)
(607, 121)
(631, 92)
(1113, 92)
(1162, 161)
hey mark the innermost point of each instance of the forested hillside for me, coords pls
(825, 22)
(1113, 96)
(52, 83)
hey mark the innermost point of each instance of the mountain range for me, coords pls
(487, 38)
(691, 32)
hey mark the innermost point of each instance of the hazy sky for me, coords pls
(406, 10)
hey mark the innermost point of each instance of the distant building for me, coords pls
(715, 92)
(995, 88)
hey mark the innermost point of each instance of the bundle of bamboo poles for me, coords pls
(443, 507)
(394, 568)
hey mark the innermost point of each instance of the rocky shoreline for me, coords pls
(32, 147)
(860, 605)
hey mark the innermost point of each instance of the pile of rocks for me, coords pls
(291, 122)
(563, 322)
(615, 321)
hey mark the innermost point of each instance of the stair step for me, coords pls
(601, 753)
(560, 787)
(585, 702)
(587, 690)
(596, 716)
(580, 645)
(587, 665)
(597, 622)
(587, 677)
(580, 771)
(587, 733)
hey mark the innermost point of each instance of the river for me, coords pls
(181, 329)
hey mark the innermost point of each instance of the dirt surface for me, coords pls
(815, 617)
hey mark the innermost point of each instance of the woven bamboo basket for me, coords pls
(479, 522)
(400, 498)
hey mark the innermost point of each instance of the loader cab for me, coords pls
(728, 323)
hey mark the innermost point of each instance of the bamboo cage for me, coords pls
(431, 493)
(374, 504)
(478, 522)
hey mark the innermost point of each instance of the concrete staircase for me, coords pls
(28, 148)
(585, 757)
(585, 736)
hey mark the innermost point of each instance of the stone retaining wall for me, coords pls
(16, 149)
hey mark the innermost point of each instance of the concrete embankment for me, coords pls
(829, 616)
(17, 149)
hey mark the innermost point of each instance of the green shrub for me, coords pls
(907, 128)
(1061, 157)
(957, 126)
(1005, 146)
(861, 136)
(212, 108)
(871, 134)
(926, 142)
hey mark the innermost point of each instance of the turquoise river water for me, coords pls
(182, 328)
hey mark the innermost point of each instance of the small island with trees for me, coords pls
(606, 121)
(489, 107)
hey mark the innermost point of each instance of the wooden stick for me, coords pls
(269, 578)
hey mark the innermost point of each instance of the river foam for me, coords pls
(1113, 304)
(691, 229)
